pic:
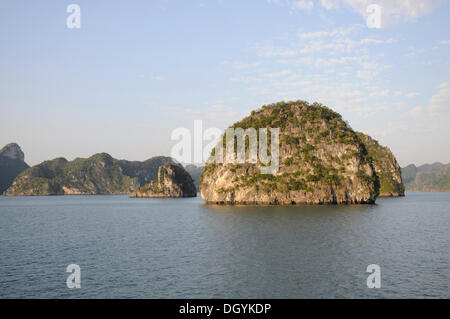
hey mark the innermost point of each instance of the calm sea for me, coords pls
(181, 248)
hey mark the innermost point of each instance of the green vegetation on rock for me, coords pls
(98, 174)
(386, 167)
(173, 181)
(322, 161)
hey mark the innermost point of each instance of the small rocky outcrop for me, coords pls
(11, 164)
(173, 181)
(321, 161)
(386, 167)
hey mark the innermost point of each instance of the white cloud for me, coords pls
(273, 51)
(335, 41)
(412, 94)
(392, 11)
(395, 11)
(245, 79)
(158, 78)
(329, 33)
(241, 66)
(330, 4)
(367, 75)
(338, 52)
(214, 114)
(286, 85)
(444, 42)
(339, 97)
(306, 5)
(414, 52)
(371, 41)
(314, 35)
(403, 129)
(278, 74)
(376, 94)
(439, 103)
(339, 45)
(305, 60)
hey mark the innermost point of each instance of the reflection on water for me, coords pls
(295, 209)
(182, 248)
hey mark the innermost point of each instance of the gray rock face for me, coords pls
(11, 165)
(386, 167)
(173, 182)
(322, 161)
(12, 151)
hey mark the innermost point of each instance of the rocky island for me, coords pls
(98, 174)
(173, 181)
(322, 161)
(427, 178)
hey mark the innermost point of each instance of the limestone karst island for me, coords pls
(321, 161)
(173, 181)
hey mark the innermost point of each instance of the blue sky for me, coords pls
(136, 70)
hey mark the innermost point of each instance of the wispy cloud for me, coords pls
(241, 66)
(392, 11)
(439, 103)
(306, 5)
(274, 51)
(278, 74)
(303, 5)
(412, 94)
(330, 4)
(158, 78)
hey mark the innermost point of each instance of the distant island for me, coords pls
(196, 173)
(322, 161)
(98, 174)
(427, 178)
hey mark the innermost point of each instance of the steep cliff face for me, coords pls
(12, 151)
(173, 181)
(145, 171)
(11, 164)
(99, 174)
(322, 161)
(386, 167)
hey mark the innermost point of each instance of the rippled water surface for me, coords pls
(181, 248)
